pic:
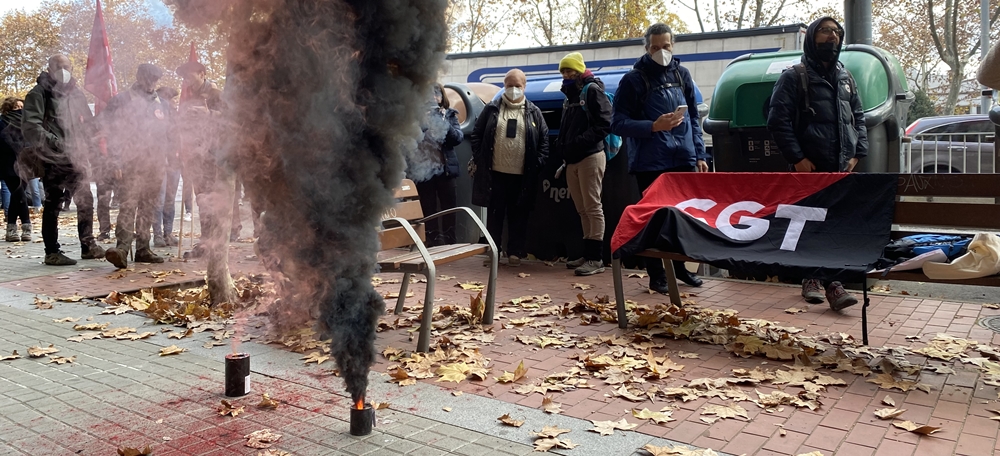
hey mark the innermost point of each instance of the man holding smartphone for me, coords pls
(661, 134)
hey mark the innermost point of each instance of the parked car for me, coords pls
(951, 144)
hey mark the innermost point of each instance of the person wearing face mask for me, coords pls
(586, 120)
(655, 111)
(818, 123)
(137, 126)
(510, 144)
(59, 143)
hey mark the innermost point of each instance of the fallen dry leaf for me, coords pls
(582, 286)
(725, 411)
(888, 401)
(687, 355)
(456, 393)
(273, 452)
(657, 417)
(129, 451)
(62, 359)
(509, 377)
(263, 438)
(227, 408)
(608, 427)
(473, 286)
(66, 320)
(550, 432)
(506, 419)
(38, 352)
(74, 298)
(401, 377)
(916, 428)
(42, 304)
(171, 350)
(550, 406)
(315, 357)
(523, 275)
(267, 403)
(92, 326)
(380, 405)
(888, 413)
(546, 444)
(447, 409)
(12, 356)
(678, 450)
(454, 372)
(795, 310)
(85, 336)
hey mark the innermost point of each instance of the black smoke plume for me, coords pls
(326, 99)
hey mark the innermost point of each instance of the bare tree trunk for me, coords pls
(954, 87)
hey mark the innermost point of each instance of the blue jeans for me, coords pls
(165, 208)
(4, 195)
(33, 193)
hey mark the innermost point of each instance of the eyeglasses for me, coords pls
(831, 30)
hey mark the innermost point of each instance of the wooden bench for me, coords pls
(914, 213)
(403, 226)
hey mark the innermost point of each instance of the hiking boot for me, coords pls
(838, 297)
(158, 241)
(118, 257)
(812, 291)
(58, 259)
(575, 263)
(93, 252)
(170, 240)
(590, 267)
(144, 255)
(12, 233)
(25, 232)
(659, 287)
(687, 277)
(513, 260)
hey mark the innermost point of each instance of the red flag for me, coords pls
(99, 78)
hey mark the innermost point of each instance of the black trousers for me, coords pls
(654, 266)
(59, 186)
(504, 198)
(438, 194)
(18, 208)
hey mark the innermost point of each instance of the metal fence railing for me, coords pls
(949, 153)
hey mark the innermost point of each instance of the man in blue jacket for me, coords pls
(817, 121)
(656, 112)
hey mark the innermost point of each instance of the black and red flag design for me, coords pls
(829, 226)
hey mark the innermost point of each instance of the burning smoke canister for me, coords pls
(237, 374)
(362, 418)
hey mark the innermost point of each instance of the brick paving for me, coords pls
(117, 393)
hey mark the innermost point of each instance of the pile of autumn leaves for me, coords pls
(630, 368)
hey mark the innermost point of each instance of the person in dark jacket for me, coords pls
(510, 144)
(136, 123)
(59, 138)
(827, 136)
(440, 191)
(585, 123)
(166, 207)
(655, 111)
(11, 142)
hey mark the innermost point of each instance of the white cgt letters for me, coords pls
(756, 228)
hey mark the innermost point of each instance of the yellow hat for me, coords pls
(573, 61)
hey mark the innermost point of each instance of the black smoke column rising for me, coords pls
(326, 98)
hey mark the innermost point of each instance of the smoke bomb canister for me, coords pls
(362, 420)
(237, 374)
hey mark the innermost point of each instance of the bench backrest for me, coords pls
(961, 214)
(408, 208)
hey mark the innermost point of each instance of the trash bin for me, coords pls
(737, 119)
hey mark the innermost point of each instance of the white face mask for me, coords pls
(65, 76)
(513, 93)
(664, 57)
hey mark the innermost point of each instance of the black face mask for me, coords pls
(827, 52)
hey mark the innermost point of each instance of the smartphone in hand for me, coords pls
(681, 110)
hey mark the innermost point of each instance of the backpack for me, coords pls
(952, 245)
(612, 142)
(803, 93)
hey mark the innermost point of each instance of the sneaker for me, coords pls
(93, 252)
(12, 233)
(117, 257)
(812, 291)
(158, 241)
(104, 237)
(575, 263)
(839, 298)
(590, 267)
(59, 259)
(513, 260)
(144, 255)
(25, 232)
(187, 216)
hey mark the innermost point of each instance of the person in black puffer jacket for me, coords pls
(829, 134)
(440, 192)
(510, 144)
(11, 142)
(585, 123)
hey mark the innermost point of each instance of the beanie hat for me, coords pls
(573, 61)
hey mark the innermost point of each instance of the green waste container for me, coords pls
(737, 119)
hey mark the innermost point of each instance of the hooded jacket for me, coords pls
(832, 131)
(635, 110)
(57, 120)
(584, 125)
(11, 142)
(536, 152)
